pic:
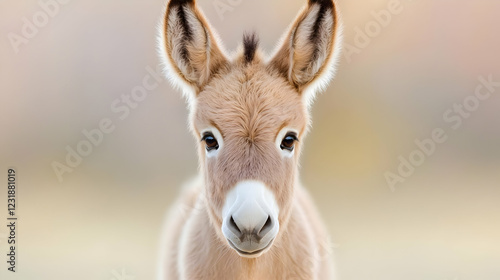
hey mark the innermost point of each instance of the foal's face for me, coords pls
(249, 115)
(249, 124)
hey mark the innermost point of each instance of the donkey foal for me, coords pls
(247, 217)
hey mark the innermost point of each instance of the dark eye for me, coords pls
(210, 141)
(288, 143)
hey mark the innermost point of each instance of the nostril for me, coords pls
(234, 227)
(266, 227)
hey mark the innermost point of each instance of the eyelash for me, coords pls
(293, 138)
(210, 136)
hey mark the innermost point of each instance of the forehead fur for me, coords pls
(251, 102)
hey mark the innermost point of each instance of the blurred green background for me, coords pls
(105, 217)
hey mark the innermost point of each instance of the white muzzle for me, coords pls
(250, 218)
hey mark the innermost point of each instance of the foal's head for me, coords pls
(249, 114)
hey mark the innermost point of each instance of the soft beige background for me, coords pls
(442, 223)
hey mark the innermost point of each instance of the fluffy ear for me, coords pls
(309, 50)
(189, 46)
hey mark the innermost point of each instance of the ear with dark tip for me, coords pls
(310, 48)
(190, 48)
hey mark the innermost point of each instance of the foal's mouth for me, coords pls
(252, 253)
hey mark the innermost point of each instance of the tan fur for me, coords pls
(249, 103)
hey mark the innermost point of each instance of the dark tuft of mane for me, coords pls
(180, 2)
(322, 3)
(250, 44)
